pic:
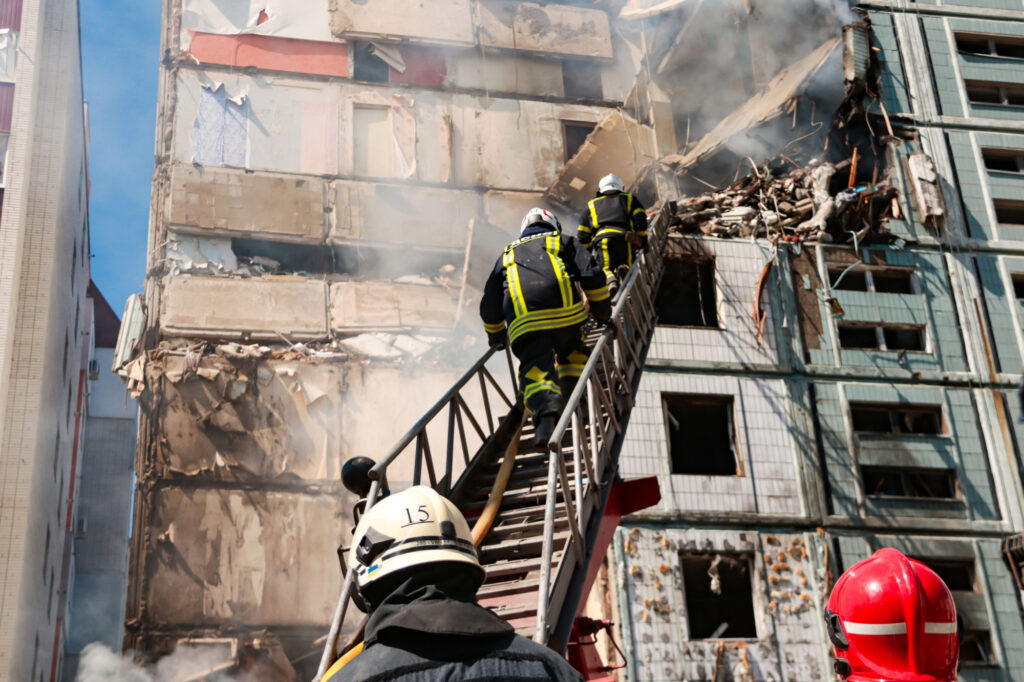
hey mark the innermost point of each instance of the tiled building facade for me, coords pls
(879, 409)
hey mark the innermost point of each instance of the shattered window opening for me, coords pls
(1009, 212)
(1005, 160)
(368, 67)
(976, 647)
(900, 482)
(886, 338)
(989, 45)
(582, 78)
(702, 435)
(362, 261)
(719, 596)
(897, 419)
(687, 296)
(574, 134)
(958, 574)
(1018, 285)
(1000, 94)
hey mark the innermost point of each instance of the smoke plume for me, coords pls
(100, 664)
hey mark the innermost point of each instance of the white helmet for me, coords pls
(539, 215)
(414, 527)
(610, 183)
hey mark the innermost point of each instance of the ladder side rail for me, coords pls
(620, 352)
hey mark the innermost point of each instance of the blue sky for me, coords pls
(121, 63)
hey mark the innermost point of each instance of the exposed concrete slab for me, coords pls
(447, 22)
(232, 201)
(357, 306)
(262, 308)
(554, 29)
(243, 557)
(618, 142)
(403, 214)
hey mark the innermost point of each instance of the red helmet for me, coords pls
(891, 618)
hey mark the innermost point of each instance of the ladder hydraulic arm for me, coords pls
(550, 529)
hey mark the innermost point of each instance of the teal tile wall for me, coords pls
(932, 308)
(894, 88)
(960, 449)
(999, 301)
(947, 82)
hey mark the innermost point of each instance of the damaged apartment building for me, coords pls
(839, 318)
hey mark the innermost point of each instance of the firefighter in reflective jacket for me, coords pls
(614, 227)
(532, 290)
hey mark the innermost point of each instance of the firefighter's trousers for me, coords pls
(611, 253)
(550, 364)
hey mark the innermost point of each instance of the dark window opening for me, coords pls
(1006, 160)
(574, 134)
(722, 609)
(903, 338)
(1009, 212)
(701, 434)
(985, 92)
(854, 280)
(687, 294)
(894, 482)
(893, 281)
(990, 45)
(925, 420)
(1018, 285)
(365, 261)
(366, 66)
(859, 337)
(976, 647)
(958, 574)
(582, 78)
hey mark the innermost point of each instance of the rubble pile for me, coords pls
(785, 201)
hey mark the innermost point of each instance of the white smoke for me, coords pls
(100, 664)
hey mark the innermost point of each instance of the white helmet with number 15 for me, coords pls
(408, 529)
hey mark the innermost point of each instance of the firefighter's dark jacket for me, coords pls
(431, 628)
(610, 215)
(532, 285)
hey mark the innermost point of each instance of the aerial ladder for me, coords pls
(542, 519)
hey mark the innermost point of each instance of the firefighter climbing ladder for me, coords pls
(536, 515)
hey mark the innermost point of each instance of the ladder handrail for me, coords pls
(619, 352)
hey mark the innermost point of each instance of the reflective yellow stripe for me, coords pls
(610, 232)
(547, 326)
(551, 245)
(638, 210)
(607, 259)
(533, 389)
(597, 294)
(512, 276)
(548, 315)
(494, 328)
(547, 319)
(629, 204)
(570, 370)
(593, 213)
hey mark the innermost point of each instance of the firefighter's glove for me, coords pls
(498, 339)
(601, 310)
(634, 239)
